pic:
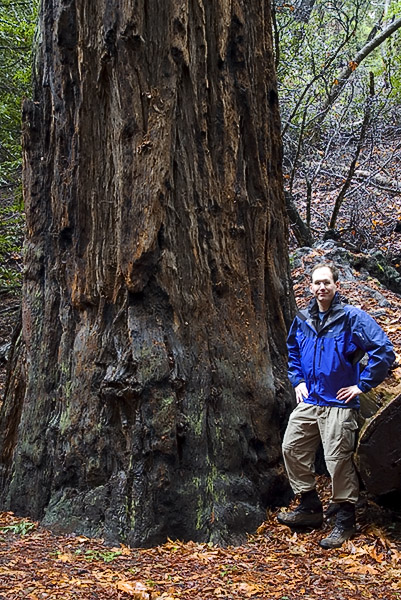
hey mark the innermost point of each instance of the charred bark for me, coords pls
(156, 291)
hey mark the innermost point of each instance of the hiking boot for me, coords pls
(332, 510)
(309, 513)
(344, 528)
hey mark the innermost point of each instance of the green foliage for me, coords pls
(17, 25)
(10, 279)
(19, 528)
(393, 55)
(11, 227)
(314, 53)
(104, 555)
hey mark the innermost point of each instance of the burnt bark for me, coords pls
(156, 292)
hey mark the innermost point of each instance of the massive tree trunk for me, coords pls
(152, 391)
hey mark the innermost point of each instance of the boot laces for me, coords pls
(336, 532)
(339, 531)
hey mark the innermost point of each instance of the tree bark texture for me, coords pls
(156, 292)
(378, 454)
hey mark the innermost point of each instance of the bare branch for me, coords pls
(351, 171)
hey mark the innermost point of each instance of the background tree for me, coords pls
(17, 21)
(339, 95)
(148, 394)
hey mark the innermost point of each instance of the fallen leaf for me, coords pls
(137, 590)
(363, 569)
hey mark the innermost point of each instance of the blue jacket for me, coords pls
(325, 355)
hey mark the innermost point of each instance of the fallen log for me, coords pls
(378, 453)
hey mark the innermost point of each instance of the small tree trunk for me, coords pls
(351, 171)
(299, 228)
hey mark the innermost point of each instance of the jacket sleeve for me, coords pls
(371, 338)
(295, 374)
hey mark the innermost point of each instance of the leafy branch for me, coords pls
(353, 64)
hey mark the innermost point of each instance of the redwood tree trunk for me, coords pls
(152, 390)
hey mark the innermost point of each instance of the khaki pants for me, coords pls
(336, 428)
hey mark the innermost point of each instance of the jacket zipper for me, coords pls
(321, 352)
(319, 358)
(314, 361)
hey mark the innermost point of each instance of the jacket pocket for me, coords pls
(340, 355)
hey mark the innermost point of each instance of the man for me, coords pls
(325, 343)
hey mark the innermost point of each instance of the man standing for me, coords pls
(325, 343)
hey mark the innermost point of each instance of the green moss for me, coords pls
(166, 402)
(211, 478)
(65, 419)
(200, 513)
(197, 481)
(132, 508)
(67, 390)
(214, 494)
(197, 425)
(64, 368)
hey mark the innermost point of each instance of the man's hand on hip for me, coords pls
(348, 393)
(301, 392)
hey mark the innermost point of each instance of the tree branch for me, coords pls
(352, 168)
(356, 61)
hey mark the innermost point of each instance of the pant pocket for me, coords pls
(349, 436)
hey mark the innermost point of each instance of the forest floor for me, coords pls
(273, 564)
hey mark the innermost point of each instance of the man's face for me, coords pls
(323, 287)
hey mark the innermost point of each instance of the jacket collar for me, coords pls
(313, 307)
(311, 314)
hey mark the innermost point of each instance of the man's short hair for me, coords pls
(328, 265)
